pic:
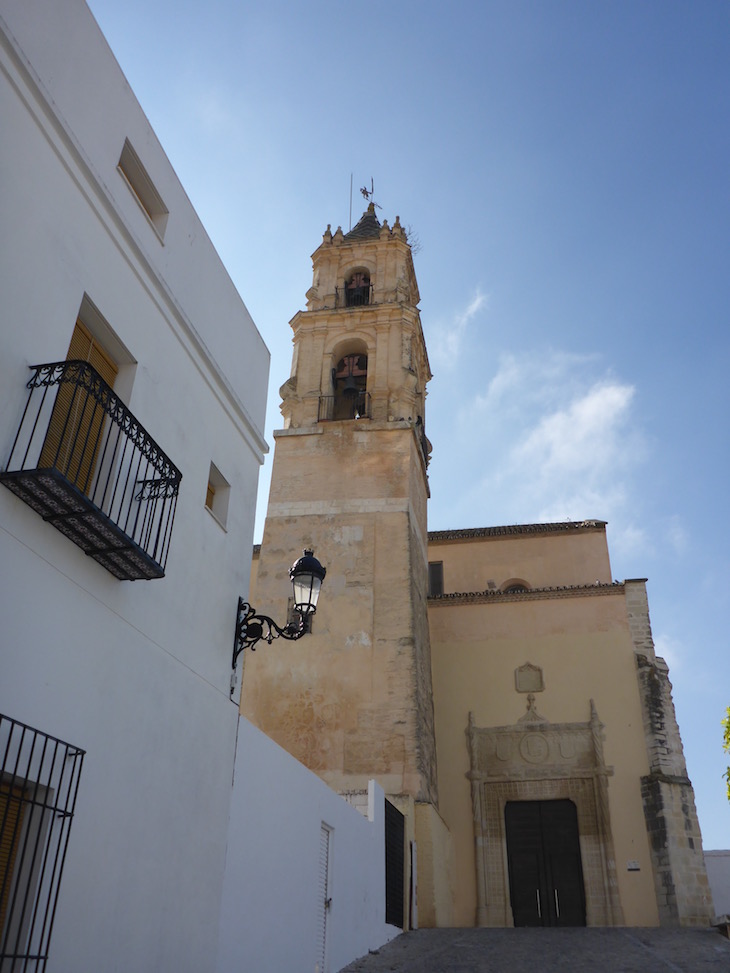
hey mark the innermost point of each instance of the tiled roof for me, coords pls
(453, 535)
(367, 228)
(532, 594)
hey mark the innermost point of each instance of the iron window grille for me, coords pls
(39, 780)
(84, 463)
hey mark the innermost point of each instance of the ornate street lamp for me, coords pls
(307, 575)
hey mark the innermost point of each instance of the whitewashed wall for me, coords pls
(270, 899)
(136, 673)
(718, 875)
(71, 227)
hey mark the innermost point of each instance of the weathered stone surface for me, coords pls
(353, 699)
(680, 877)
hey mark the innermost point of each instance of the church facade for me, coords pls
(496, 682)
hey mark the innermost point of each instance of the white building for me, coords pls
(142, 464)
(718, 874)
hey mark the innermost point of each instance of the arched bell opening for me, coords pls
(358, 288)
(350, 381)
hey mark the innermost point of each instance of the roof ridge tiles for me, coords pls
(462, 534)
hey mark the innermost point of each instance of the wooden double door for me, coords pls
(545, 870)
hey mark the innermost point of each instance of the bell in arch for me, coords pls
(350, 383)
(350, 388)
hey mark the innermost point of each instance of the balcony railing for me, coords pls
(354, 296)
(84, 463)
(344, 407)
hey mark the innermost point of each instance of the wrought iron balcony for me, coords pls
(357, 406)
(84, 463)
(358, 296)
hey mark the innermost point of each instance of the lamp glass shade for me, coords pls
(307, 575)
(306, 593)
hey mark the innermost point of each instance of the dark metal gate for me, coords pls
(394, 865)
(39, 779)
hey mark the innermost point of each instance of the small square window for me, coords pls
(217, 494)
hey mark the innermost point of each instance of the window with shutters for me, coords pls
(217, 494)
(11, 817)
(39, 779)
(75, 430)
(87, 465)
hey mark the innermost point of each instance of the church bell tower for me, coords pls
(352, 700)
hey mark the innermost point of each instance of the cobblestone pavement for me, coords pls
(622, 950)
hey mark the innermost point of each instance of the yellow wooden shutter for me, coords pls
(11, 822)
(73, 451)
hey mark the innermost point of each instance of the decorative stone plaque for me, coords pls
(528, 679)
(534, 748)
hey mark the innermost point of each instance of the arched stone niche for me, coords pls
(534, 760)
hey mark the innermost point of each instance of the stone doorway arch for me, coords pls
(534, 760)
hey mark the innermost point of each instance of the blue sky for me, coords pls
(564, 166)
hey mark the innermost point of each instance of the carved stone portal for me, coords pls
(535, 760)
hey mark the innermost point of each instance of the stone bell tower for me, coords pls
(352, 700)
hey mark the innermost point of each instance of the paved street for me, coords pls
(551, 951)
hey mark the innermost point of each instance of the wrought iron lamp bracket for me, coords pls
(252, 628)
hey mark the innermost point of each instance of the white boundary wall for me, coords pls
(718, 875)
(137, 674)
(270, 894)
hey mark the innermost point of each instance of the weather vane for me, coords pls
(369, 193)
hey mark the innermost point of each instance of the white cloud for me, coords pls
(529, 380)
(449, 337)
(561, 443)
(628, 540)
(569, 463)
(580, 439)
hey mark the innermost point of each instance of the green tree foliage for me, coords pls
(726, 747)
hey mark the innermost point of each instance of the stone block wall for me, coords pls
(680, 877)
(682, 890)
